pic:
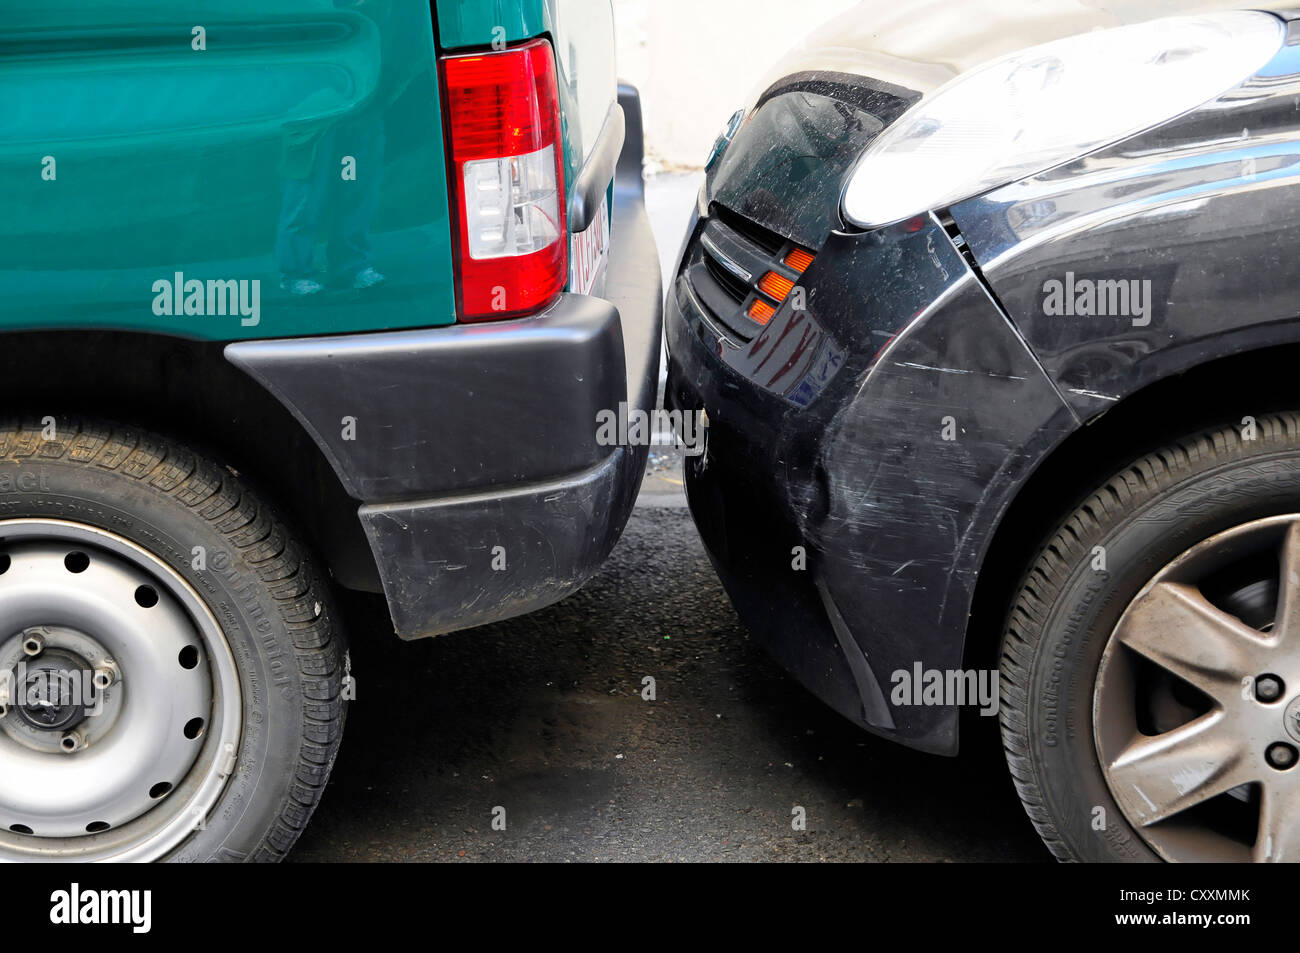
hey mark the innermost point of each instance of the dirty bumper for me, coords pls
(474, 450)
(847, 517)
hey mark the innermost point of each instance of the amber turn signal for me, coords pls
(799, 260)
(775, 286)
(761, 311)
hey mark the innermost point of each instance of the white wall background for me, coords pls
(698, 61)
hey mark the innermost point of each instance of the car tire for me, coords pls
(258, 678)
(1096, 638)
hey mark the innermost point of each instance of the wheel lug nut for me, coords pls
(105, 675)
(72, 741)
(34, 644)
(1281, 755)
(1269, 688)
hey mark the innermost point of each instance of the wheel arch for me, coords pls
(1220, 391)
(189, 391)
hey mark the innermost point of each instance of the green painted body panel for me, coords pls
(471, 23)
(169, 165)
(298, 138)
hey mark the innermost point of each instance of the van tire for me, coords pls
(260, 584)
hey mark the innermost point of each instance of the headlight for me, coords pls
(1040, 107)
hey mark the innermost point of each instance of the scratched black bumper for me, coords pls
(826, 441)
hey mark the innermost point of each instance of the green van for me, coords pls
(294, 294)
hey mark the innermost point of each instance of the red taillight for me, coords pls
(507, 169)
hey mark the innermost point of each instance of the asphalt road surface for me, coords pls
(543, 717)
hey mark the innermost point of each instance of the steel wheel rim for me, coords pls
(151, 763)
(1202, 760)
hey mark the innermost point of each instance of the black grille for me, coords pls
(730, 283)
(729, 257)
(769, 241)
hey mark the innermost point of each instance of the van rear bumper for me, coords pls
(472, 449)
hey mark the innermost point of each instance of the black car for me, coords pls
(993, 322)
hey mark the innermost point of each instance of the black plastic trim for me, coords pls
(589, 190)
(458, 562)
(450, 409)
(632, 158)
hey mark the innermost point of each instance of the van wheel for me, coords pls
(1151, 662)
(170, 673)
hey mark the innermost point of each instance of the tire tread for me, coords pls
(217, 496)
(1126, 491)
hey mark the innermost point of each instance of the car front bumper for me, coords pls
(845, 525)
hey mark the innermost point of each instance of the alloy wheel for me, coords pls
(1196, 708)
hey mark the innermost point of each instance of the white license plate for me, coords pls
(589, 253)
